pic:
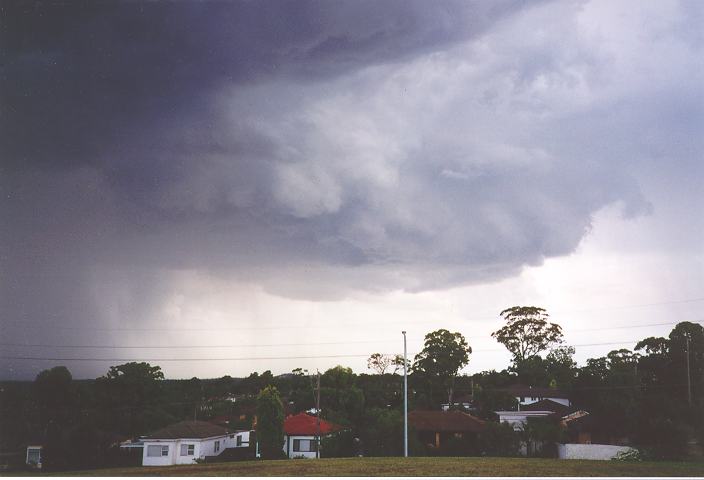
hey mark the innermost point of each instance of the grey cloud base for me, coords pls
(429, 146)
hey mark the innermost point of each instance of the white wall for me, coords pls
(288, 446)
(159, 461)
(232, 439)
(202, 448)
(591, 451)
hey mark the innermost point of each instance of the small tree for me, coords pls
(379, 362)
(527, 332)
(270, 422)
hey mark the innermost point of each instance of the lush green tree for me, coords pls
(131, 396)
(301, 390)
(443, 355)
(254, 383)
(55, 396)
(683, 333)
(341, 400)
(532, 371)
(527, 332)
(382, 433)
(654, 363)
(561, 367)
(270, 423)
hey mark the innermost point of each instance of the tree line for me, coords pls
(646, 395)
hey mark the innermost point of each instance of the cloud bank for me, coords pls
(317, 149)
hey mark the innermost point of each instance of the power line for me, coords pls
(229, 359)
(44, 345)
(86, 359)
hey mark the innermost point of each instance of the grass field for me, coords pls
(424, 466)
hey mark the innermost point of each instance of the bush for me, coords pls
(338, 445)
(663, 439)
(632, 455)
(499, 440)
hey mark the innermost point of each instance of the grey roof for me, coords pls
(188, 429)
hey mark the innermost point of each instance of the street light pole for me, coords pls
(317, 412)
(689, 378)
(405, 398)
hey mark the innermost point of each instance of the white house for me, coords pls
(517, 419)
(542, 408)
(184, 442)
(300, 434)
(526, 395)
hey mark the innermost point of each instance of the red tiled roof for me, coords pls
(189, 429)
(439, 421)
(304, 424)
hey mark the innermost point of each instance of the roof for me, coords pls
(304, 424)
(527, 391)
(439, 421)
(188, 429)
(547, 405)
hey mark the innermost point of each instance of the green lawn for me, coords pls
(422, 466)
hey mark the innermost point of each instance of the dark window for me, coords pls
(300, 445)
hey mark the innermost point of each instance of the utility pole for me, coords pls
(317, 412)
(689, 380)
(405, 398)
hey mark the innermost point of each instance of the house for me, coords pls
(184, 442)
(542, 408)
(526, 395)
(462, 402)
(436, 427)
(300, 434)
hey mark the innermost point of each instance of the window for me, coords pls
(216, 449)
(239, 440)
(188, 450)
(232, 436)
(157, 450)
(34, 455)
(303, 445)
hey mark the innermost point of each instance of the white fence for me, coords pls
(579, 451)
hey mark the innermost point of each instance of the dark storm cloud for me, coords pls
(317, 148)
(81, 77)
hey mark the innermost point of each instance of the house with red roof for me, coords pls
(437, 427)
(301, 432)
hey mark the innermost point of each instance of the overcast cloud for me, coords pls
(156, 155)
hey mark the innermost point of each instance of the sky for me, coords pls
(227, 187)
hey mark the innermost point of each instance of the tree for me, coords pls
(343, 400)
(53, 392)
(527, 332)
(380, 362)
(270, 423)
(443, 355)
(683, 333)
(561, 367)
(131, 397)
